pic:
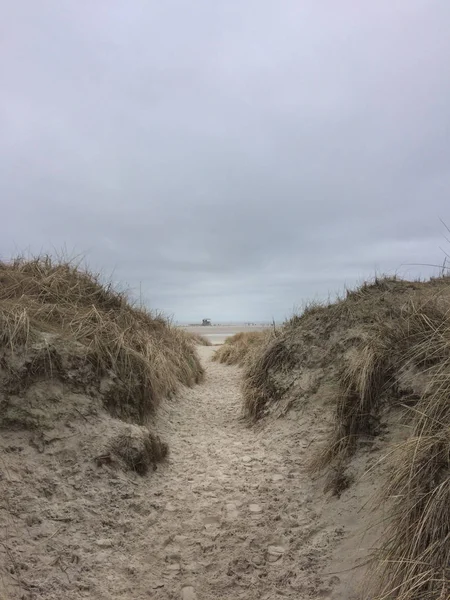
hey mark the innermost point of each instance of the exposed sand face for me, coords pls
(217, 334)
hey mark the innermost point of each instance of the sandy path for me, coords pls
(236, 518)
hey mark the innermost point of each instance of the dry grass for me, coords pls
(415, 556)
(370, 374)
(367, 344)
(260, 389)
(45, 300)
(414, 560)
(135, 448)
(364, 381)
(201, 340)
(238, 349)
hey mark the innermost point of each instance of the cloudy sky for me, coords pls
(230, 159)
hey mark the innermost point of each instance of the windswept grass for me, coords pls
(41, 299)
(238, 348)
(371, 372)
(201, 340)
(415, 555)
(274, 355)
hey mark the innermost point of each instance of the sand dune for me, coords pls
(118, 481)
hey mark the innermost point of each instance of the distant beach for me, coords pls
(217, 334)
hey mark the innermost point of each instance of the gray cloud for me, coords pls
(229, 159)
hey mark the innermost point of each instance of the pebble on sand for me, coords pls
(255, 508)
(104, 543)
(188, 593)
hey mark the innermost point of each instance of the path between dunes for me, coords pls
(235, 514)
(231, 514)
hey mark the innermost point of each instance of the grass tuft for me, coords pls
(238, 349)
(198, 339)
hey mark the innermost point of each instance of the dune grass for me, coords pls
(238, 348)
(414, 559)
(198, 339)
(368, 343)
(45, 299)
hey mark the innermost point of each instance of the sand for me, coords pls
(231, 514)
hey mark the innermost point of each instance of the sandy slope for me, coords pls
(232, 514)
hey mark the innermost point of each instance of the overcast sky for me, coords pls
(231, 158)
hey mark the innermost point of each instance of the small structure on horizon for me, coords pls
(206, 322)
